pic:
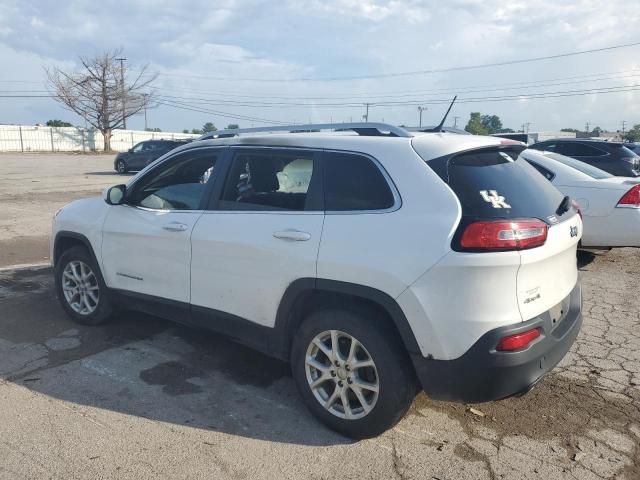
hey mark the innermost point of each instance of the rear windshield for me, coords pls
(585, 168)
(626, 152)
(493, 183)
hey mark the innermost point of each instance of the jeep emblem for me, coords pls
(573, 231)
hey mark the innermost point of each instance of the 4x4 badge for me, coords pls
(573, 231)
(494, 198)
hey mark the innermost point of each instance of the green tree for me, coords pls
(208, 127)
(232, 126)
(156, 129)
(572, 130)
(491, 123)
(633, 135)
(475, 126)
(185, 131)
(58, 123)
(196, 131)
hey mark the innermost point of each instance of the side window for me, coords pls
(268, 180)
(149, 146)
(177, 184)
(579, 150)
(548, 174)
(354, 182)
(138, 148)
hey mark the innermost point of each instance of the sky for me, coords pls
(298, 61)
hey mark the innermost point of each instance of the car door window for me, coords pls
(177, 184)
(269, 180)
(149, 146)
(138, 148)
(578, 150)
(354, 182)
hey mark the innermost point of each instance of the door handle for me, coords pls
(292, 235)
(175, 227)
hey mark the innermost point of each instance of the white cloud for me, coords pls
(326, 38)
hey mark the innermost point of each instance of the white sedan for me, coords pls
(610, 205)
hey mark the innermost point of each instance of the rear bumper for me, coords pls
(483, 374)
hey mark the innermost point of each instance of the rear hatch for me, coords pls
(507, 205)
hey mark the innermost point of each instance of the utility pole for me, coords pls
(455, 122)
(366, 115)
(420, 110)
(144, 99)
(124, 102)
(586, 127)
(624, 126)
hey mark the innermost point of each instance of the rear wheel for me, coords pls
(352, 372)
(80, 287)
(121, 166)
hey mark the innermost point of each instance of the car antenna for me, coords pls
(439, 127)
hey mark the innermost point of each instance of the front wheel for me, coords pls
(121, 167)
(352, 372)
(81, 288)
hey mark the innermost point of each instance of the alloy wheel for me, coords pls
(80, 287)
(342, 375)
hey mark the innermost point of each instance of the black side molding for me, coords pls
(297, 290)
(65, 234)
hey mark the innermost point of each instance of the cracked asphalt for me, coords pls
(142, 398)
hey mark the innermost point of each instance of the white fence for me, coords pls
(29, 138)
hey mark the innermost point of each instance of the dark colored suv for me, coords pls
(143, 154)
(612, 157)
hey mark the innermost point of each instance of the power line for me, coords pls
(407, 93)
(410, 73)
(423, 100)
(219, 113)
(622, 74)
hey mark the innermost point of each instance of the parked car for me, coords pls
(634, 147)
(375, 262)
(610, 205)
(612, 157)
(143, 154)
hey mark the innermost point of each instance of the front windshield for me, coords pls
(585, 168)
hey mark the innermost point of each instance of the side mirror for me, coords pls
(130, 150)
(115, 195)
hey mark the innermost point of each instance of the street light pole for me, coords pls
(421, 109)
(124, 104)
(144, 97)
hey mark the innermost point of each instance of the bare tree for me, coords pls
(101, 92)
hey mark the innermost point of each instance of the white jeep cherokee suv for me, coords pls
(377, 261)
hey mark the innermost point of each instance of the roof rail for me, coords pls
(369, 129)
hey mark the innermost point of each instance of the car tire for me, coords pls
(391, 373)
(80, 287)
(121, 167)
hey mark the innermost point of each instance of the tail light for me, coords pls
(519, 341)
(504, 235)
(631, 199)
(577, 208)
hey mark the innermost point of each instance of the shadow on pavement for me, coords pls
(143, 366)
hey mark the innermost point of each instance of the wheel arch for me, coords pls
(65, 240)
(308, 294)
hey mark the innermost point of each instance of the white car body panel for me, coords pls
(355, 247)
(239, 267)
(141, 256)
(605, 224)
(84, 217)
